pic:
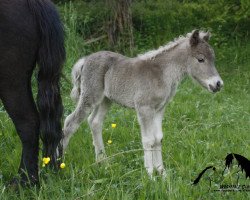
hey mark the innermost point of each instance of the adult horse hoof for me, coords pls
(16, 182)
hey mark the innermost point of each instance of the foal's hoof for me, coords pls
(162, 172)
(101, 157)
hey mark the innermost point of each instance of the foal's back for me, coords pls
(124, 80)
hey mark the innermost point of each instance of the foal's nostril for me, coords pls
(218, 84)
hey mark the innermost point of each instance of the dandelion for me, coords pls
(109, 141)
(62, 165)
(46, 160)
(113, 125)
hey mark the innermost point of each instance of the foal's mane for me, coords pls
(162, 49)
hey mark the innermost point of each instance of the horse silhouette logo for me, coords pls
(242, 161)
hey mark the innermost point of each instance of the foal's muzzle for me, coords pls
(214, 84)
(217, 87)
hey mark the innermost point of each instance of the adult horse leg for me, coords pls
(95, 121)
(148, 127)
(19, 103)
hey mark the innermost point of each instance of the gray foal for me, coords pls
(145, 83)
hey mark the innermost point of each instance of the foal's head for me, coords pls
(201, 62)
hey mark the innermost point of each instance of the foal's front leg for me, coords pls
(157, 153)
(151, 131)
(146, 119)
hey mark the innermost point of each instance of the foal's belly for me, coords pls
(129, 95)
(131, 90)
(120, 96)
(119, 90)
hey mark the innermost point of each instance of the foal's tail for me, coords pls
(51, 56)
(76, 79)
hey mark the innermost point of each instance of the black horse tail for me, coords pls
(51, 56)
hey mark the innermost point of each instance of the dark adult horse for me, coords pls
(31, 33)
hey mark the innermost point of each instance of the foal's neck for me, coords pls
(174, 62)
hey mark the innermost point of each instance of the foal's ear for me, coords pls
(205, 36)
(195, 38)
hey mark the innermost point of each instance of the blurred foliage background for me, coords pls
(154, 22)
(131, 27)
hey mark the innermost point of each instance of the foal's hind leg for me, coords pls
(87, 101)
(73, 121)
(19, 103)
(95, 121)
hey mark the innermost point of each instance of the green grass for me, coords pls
(199, 130)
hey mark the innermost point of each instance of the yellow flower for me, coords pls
(62, 165)
(113, 125)
(109, 141)
(46, 160)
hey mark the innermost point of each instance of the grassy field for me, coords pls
(200, 129)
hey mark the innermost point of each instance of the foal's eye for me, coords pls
(200, 60)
